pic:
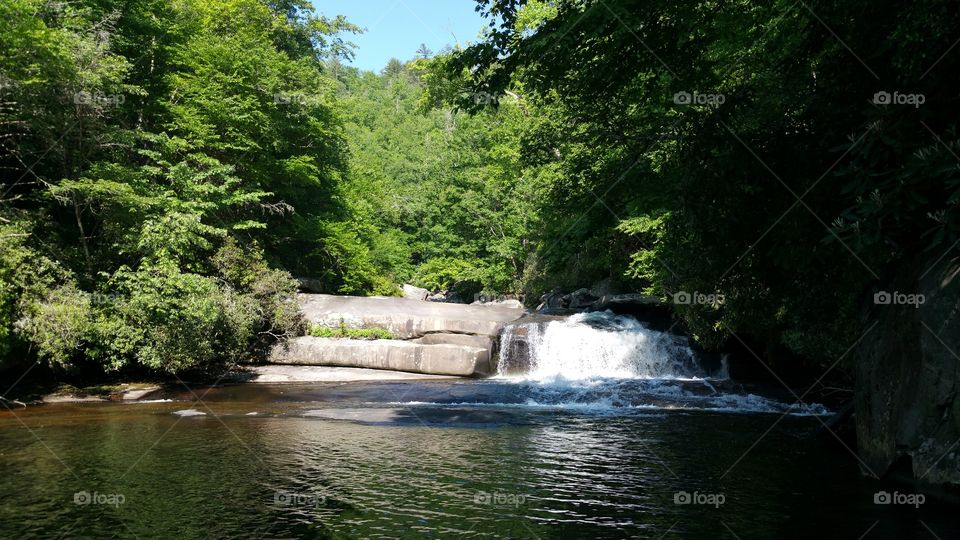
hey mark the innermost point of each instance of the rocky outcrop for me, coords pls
(907, 403)
(482, 342)
(405, 319)
(398, 355)
(581, 299)
(446, 297)
(431, 338)
(598, 298)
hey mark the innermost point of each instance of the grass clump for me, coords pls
(343, 332)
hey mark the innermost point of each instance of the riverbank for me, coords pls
(259, 374)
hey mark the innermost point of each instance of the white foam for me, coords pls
(599, 344)
(727, 403)
(605, 362)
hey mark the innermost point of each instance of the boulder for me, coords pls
(446, 297)
(415, 293)
(580, 299)
(908, 377)
(551, 301)
(397, 355)
(310, 285)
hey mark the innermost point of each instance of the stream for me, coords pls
(600, 428)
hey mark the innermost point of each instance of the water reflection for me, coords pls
(337, 468)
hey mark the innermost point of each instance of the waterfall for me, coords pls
(602, 363)
(594, 345)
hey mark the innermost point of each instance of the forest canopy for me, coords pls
(171, 169)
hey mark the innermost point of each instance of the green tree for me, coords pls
(424, 52)
(151, 151)
(673, 141)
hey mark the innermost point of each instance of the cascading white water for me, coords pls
(607, 364)
(594, 345)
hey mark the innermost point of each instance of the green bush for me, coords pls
(33, 310)
(171, 321)
(59, 323)
(244, 270)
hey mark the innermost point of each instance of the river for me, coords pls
(558, 451)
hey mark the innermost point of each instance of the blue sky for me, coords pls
(396, 28)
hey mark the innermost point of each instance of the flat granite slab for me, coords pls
(298, 374)
(389, 354)
(427, 337)
(406, 318)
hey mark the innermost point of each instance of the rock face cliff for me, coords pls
(432, 338)
(907, 406)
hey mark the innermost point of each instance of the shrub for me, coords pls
(32, 310)
(58, 324)
(171, 321)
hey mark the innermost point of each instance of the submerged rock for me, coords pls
(189, 412)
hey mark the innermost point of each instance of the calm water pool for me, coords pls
(477, 459)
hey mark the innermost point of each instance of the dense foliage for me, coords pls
(784, 157)
(168, 167)
(160, 160)
(438, 192)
